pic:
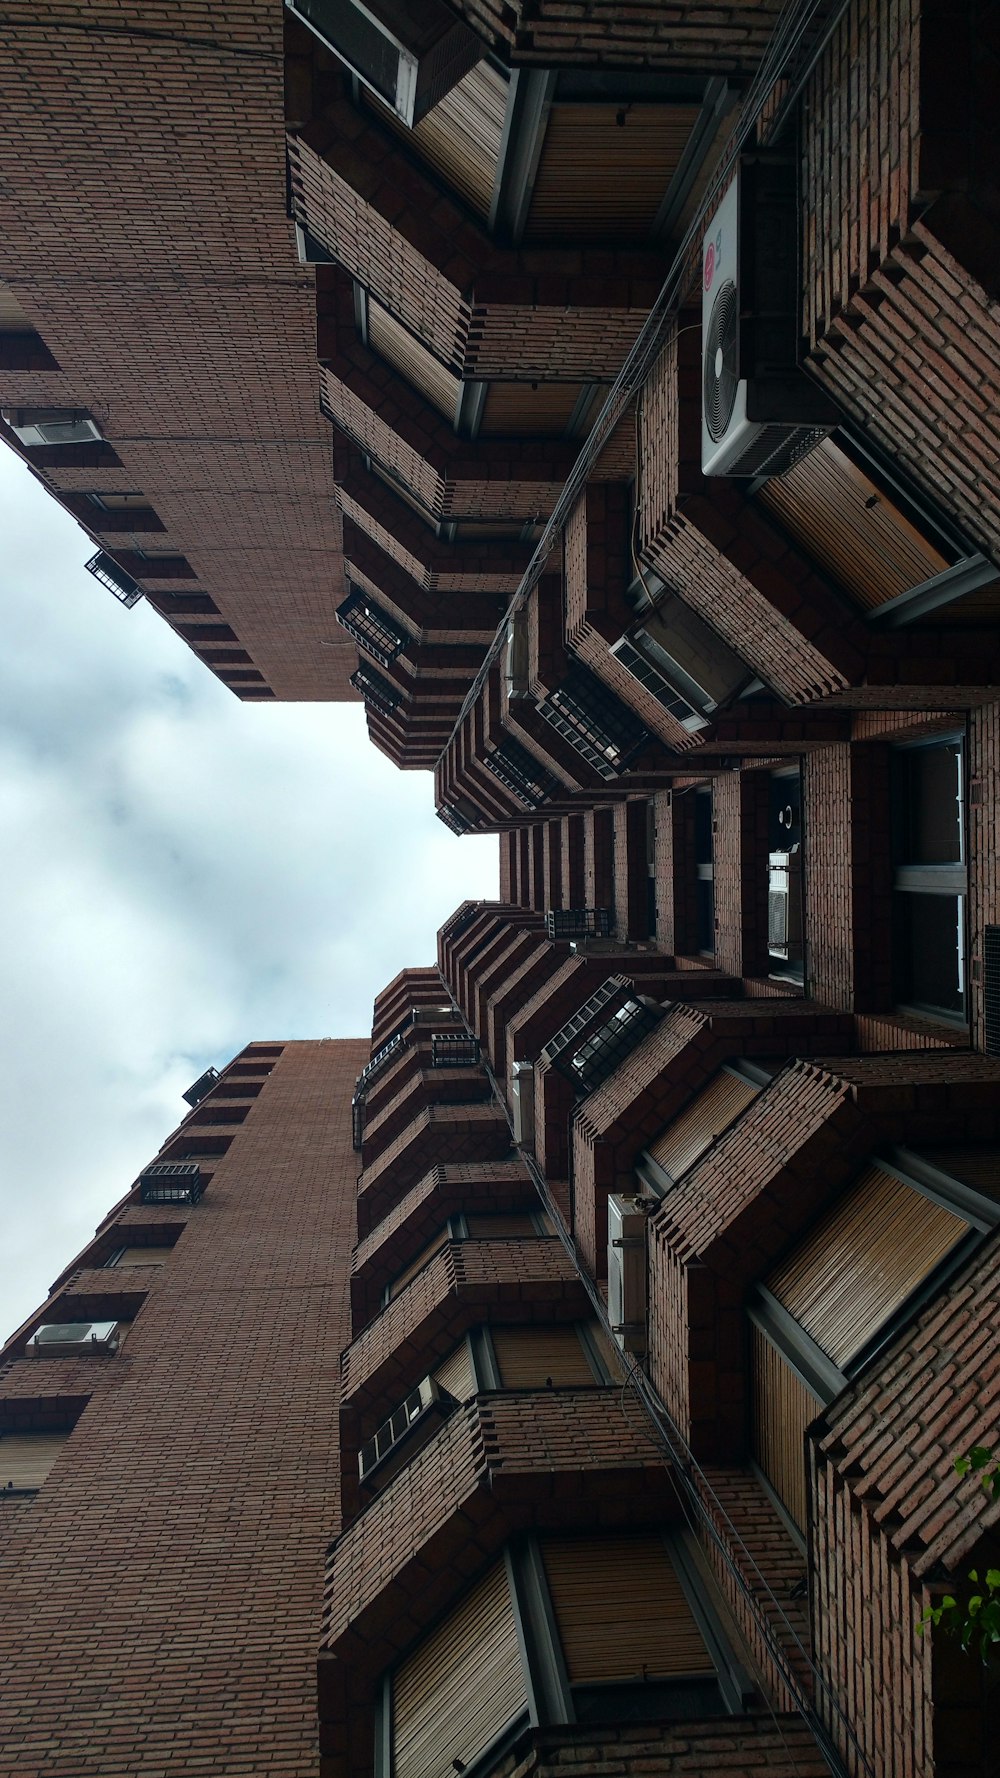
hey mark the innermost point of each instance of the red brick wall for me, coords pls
(160, 267)
(189, 1515)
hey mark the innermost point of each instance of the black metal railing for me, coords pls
(105, 569)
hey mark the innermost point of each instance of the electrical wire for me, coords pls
(699, 1498)
(802, 30)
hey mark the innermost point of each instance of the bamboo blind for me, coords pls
(457, 1374)
(27, 1457)
(417, 1265)
(863, 1260)
(462, 1686)
(143, 1256)
(621, 1611)
(851, 527)
(407, 355)
(601, 177)
(705, 1118)
(782, 1409)
(501, 1225)
(534, 1357)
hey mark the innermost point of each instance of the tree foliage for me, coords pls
(974, 1616)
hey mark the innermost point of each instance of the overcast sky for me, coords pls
(181, 874)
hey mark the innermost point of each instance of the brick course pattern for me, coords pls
(163, 273)
(172, 1564)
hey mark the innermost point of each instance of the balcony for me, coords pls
(105, 569)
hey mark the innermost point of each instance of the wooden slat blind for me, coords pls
(514, 1223)
(621, 1611)
(461, 1688)
(862, 1261)
(461, 137)
(143, 1256)
(407, 355)
(705, 1118)
(849, 526)
(27, 1457)
(457, 1374)
(12, 317)
(532, 1357)
(521, 409)
(782, 1409)
(416, 1265)
(598, 177)
(978, 1167)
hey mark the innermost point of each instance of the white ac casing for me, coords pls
(687, 657)
(516, 657)
(750, 256)
(627, 1272)
(73, 1339)
(784, 904)
(522, 1103)
(52, 426)
(416, 1406)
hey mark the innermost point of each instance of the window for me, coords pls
(52, 426)
(848, 1287)
(119, 502)
(377, 692)
(26, 1459)
(454, 1049)
(139, 1256)
(704, 871)
(681, 661)
(372, 628)
(485, 1226)
(171, 1182)
(595, 722)
(105, 569)
(516, 768)
(929, 877)
(563, 923)
(700, 1124)
(582, 1629)
(590, 1045)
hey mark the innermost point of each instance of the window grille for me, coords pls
(452, 819)
(377, 692)
(372, 628)
(460, 919)
(105, 569)
(601, 1034)
(171, 1182)
(454, 1049)
(578, 923)
(520, 773)
(594, 722)
(375, 1066)
(202, 1086)
(650, 675)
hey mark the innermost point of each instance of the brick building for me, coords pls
(673, 1272)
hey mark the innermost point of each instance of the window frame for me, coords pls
(947, 879)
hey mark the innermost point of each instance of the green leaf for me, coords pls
(963, 1465)
(980, 1456)
(993, 1579)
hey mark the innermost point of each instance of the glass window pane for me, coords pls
(931, 789)
(928, 945)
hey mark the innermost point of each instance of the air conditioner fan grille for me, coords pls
(721, 369)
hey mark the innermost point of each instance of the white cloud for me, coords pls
(182, 874)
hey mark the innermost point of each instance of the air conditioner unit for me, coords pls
(784, 904)
(424, 1405)
(627, 1272)
(73, 1339)
(409, 56)
(682, 661)
(431, 1015)
(52, 425)
(522, 1103)
(760, 414)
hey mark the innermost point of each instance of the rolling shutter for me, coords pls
(862, 1262)
(604, 170)
(457, 1374)
(391, 341)
(978, 1167)
(417, 1265)
(712, 1112)
(532, 1357)
(483, 1227)
(782, 1409)
(143, 1256)
(621, 1611)
(27, 1457)
(461, 1688)
(849, 526)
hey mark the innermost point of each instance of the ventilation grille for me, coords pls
(774, 449)
(721, 355)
